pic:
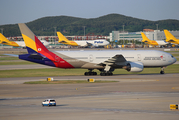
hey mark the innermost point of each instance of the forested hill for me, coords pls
(99, 26)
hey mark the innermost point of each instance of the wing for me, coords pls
(117, 59)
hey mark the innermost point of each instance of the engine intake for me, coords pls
(134, 67)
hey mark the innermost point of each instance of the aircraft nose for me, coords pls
(174, 60)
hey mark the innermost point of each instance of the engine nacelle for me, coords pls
(135, 67)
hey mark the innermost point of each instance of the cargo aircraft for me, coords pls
(170, 38)
(82, 43)
(152, 42)
(105, 61)
(5, 41)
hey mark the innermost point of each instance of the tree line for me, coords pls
(99, 26)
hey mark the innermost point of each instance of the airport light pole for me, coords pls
(2, 30)
(157, 30)
(157, 26)
(2, 33)
(55, 35)
(123, 33)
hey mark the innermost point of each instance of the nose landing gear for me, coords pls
(162, 70)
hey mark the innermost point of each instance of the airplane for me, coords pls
(105, 61)
(170, 38)
(152, 42)
(82, 43)
(5, 41)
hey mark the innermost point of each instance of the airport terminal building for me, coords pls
(151, 34)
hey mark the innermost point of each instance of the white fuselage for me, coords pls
(161, 42)
(149, 58)
(99, 42)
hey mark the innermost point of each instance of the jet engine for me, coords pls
(134, 67)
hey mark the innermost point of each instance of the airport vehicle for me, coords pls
(5, 41)
(153, 42)
(82, 43)
(170, 38)
(105, 61)
(49, 102)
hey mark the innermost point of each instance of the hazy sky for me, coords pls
(23, 11)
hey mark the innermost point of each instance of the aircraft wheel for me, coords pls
(107, 74)
(94, 73)
(102, 74)
(90, 73)
(162, 72)
(86, 73)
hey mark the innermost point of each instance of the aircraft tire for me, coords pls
(86, 73)
(162, 72)
(106, 74)
(90, 73)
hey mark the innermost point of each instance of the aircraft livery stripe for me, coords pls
(29, 42)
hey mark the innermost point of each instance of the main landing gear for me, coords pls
(90, 72)
(106, 73)
(162, 70)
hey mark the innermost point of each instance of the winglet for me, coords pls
(32, 43)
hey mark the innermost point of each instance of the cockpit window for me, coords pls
(172, 56)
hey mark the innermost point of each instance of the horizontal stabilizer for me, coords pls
(13, 55)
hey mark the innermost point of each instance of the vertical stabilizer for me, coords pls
(5, 41)
(168, 35)
(3, 38)
(170, 38)
(64, 40)
(144, 37)
(61, 37)
(32, 43)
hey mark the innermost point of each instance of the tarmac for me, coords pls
(135, 97)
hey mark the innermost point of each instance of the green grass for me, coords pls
(40, 72)
(74, 72)
(16, 63)
(9, 58)
(66, 82)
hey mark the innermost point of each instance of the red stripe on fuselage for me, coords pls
(59, 62)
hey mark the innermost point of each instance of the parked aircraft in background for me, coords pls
(105, 61)
(83, 43)
(153, 42)
(5, 41)
(170, 38)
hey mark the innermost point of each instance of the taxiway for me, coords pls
(134, 97)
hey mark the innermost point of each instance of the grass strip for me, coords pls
(47, 72)
(16, 63)
(67, 82)
(9, 58)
